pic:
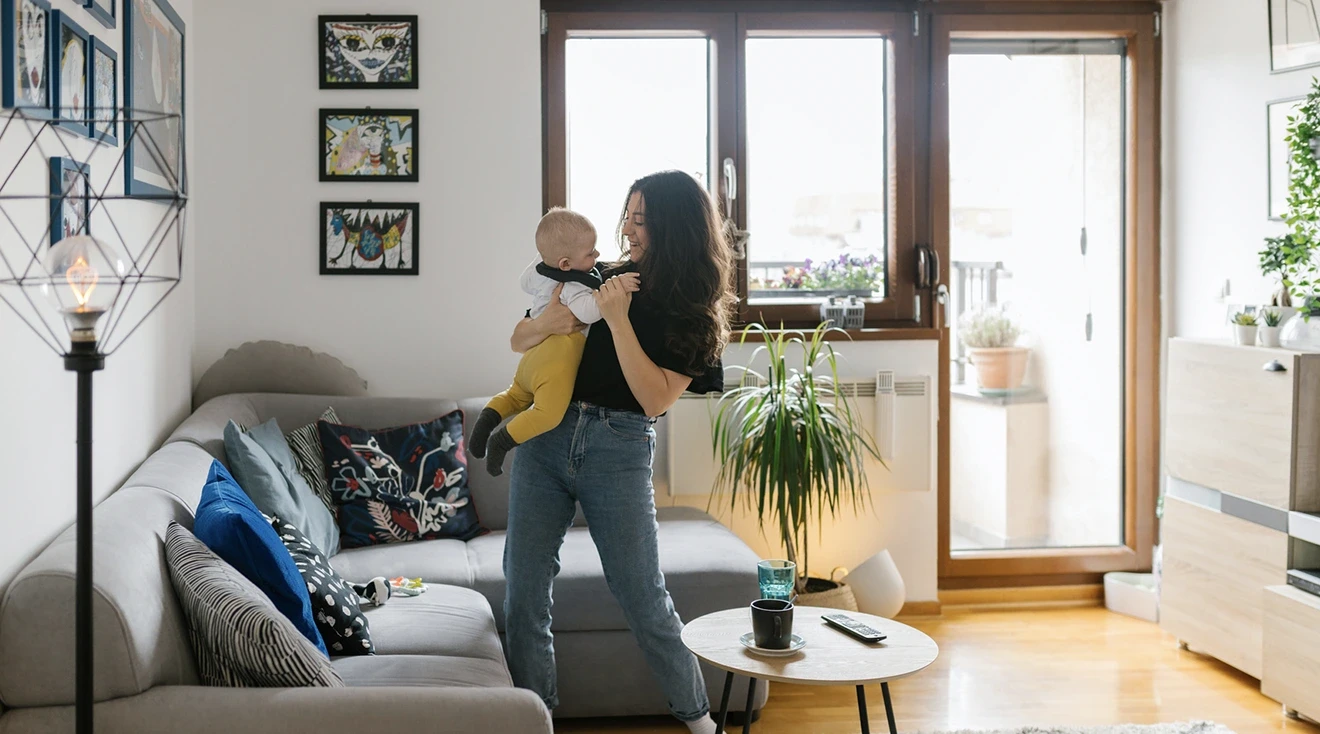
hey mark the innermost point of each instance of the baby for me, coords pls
(543, 385)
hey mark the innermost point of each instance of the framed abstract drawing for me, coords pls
(1278, 154)
(102, 10)
(366, 238)
(368, 51)
(1294, 34)
(103, 92)
(69, 81)
(368, 145)
(70, 197)
(25, 37)
(154, 93)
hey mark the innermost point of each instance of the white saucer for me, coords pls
(749, 641)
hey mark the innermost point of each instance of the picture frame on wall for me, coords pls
(366, 144)
(369, 238)
(368, 51)
(69, 72)
(154, 89)
(25, 42)
(70, 199)
(102, 10)
(1277, 113)
(1294, 34)
(103, 93)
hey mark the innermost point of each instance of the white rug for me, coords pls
(1182, 727)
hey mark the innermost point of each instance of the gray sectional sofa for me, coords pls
(440, 665)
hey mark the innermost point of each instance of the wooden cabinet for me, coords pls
(1236, 427)
(1215, 570)
(1292, 649)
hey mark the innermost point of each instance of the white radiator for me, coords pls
(899, 412)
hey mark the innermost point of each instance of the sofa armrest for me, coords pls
(205, 710)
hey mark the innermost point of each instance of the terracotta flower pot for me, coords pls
(999, 368)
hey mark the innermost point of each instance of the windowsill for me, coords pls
(884, 334)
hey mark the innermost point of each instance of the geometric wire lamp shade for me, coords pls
(79, 264)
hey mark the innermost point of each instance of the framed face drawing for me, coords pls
(368, 145)
(26, 41)
(154, 89)
(69, 82)
(368, 51)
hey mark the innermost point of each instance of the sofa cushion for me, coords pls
(264, 465)
(398, 485)
(306, 447)
(443, 561)
(229, 524)
(239, 638)
(706, 569)
(458, 623)
(422, 670)
(335, 608)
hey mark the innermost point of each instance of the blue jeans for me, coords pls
(600, 458)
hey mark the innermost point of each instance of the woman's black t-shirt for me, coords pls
(600, 379)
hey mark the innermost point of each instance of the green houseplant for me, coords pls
(1292, 256)
(791, 445)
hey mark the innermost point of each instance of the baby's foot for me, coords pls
(486, 422)
(501, 443)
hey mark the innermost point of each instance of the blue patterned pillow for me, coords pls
(399, 484)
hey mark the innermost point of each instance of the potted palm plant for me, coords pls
(792, 448)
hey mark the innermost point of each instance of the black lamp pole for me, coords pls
(84, 360)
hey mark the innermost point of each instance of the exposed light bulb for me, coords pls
(80, 263)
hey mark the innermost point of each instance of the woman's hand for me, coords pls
(556, 319)
(615, 296)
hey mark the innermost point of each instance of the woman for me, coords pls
(665, 323)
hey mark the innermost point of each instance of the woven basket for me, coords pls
(840, 597)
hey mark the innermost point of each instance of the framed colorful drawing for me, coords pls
(69, 81)
(70, 196)
(368, 145)
(102, 10)
(103, 92)
(366, 238)
(154, 92)
(368, 51)
(26, 46)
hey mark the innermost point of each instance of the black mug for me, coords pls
(772, 623)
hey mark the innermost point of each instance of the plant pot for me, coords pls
(1269, 336)
(878, 586)
(829, 594)
(1245, 336)
(999, 368)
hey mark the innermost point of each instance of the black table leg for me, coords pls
(751, 698)
(861, 709)
(724, 704)
(889, 708)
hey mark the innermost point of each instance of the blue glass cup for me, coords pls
(777, 579)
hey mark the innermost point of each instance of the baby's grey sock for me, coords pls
(501, 443)
(486, 423)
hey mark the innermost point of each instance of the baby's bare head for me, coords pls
(566, 240)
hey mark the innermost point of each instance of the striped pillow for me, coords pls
(306, 445)
(238, 637)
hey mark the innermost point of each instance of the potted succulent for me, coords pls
(792, 448)
(991, 339)
(1269, 330)
(1244, 328)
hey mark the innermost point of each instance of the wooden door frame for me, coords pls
(1141, 338)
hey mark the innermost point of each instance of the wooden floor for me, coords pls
(1079, 666)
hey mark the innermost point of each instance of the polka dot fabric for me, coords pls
(334, 602)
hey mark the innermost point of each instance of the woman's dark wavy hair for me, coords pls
(687, 272)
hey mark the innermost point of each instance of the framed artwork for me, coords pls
(368, 145)
(70, 199)
(26, 40)
(69, 81)
(368, 51)
(103, 92)
(366, 238)
(102, 10)
(1294, 34)
(1277, 113)
(153, 83)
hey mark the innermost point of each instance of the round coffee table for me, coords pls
(830, 658)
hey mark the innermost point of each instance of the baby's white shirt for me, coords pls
(579, 297)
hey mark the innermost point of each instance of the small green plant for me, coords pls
(1272, 317)
(1245, 319)
(1293, 256)
(988, 328)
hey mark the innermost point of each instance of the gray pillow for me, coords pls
(239, 638)
(266, 469)
(306, 445)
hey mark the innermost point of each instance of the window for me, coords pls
(796, 123)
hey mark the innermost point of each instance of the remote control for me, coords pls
(852, 627)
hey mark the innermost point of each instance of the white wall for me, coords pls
(445, 331)
(139, 397)
(1217, 82)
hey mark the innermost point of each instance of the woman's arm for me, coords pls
(656, 388)
(556, 319)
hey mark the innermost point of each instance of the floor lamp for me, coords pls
(84, 295)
